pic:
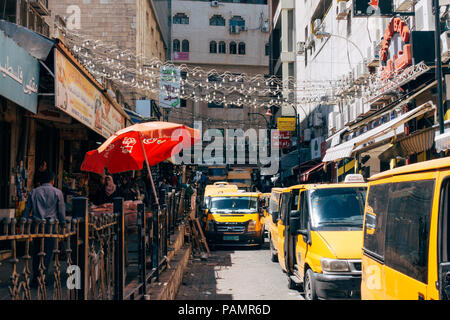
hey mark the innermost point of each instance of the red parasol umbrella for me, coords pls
(129, 148)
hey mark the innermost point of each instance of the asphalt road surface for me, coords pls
(236, 273)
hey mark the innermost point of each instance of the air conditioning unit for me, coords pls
(214, 3)
(307, 134)
(350, 78)
(346, 114)
(352, 113)
(373, 55)
(362, 70)
(368, 108)
(310, 120)
(403, 5)
(342, 11)
(301, 47)
(234, 29)
(317, 122)
(332, 120)
(445, 46)
(317, 25)
(359, 107)
(340, 122)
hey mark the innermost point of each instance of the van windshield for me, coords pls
(234, 204)
(338, 207)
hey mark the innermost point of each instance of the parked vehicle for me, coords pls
(320, 237)
(406, 245)
(235, 219)
(271, 222)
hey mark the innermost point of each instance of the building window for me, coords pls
(183, 103)
(180, 18)
(237, 21)
(241, 48)
(217, 20)
(213, 47)
(267, 49)
(176, 45)
(185, 46)
(233, 47)
(222, 47)
(235, 106)
(215, 105)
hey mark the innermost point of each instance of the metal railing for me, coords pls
(92, 254)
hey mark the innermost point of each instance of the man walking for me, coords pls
(44, 202)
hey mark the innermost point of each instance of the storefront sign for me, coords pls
(367, 8)
(316, 150)
(79, 98)
(395, 52)
(285, 139)
(181, 56)
(19, 74)
(286, 124)
(169, 87)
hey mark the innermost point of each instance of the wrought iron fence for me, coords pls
(89, 252)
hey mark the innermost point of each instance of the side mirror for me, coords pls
(294, 222)
(275, 216)
(306, 234)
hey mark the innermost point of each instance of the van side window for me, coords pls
(304, 209)
(375, 216)
(294, 201)
(444, 221)
(408, 226)
(284, 207)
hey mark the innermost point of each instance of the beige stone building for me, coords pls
(136, 25)
(228, 36)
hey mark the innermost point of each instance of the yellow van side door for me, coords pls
(301, 247)
(439, 253)
(284, 207)
(407, 236)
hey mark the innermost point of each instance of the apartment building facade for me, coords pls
(371, 97)
(225, 36)
(136, 25)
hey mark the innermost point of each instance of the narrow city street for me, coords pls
(236, 273)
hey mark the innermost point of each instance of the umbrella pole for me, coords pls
(149, 171)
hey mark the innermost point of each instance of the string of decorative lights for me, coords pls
(128, 69)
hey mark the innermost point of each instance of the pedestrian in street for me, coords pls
(41, 172)
(106, 193)
(44, 202)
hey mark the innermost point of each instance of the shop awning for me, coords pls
(442, 141)
(305, 175)
(346, 149)
(417, 142)
(35, 44)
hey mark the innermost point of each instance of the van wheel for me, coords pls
(273, 254)
(309, 286)
(291, 284)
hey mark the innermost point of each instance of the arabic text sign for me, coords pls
(79, 98)
(286, 123)
(169, 87)
(19, 74)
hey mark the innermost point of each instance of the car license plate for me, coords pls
(235, 238)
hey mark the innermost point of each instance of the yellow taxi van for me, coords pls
(235, 219)
(320, 230)
(273, 210)
(406, 246)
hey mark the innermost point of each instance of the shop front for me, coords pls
(19, 83)
(398, 119)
